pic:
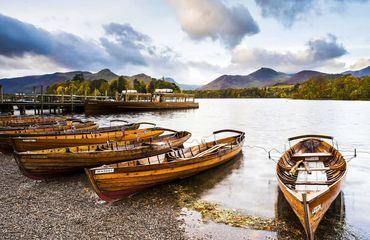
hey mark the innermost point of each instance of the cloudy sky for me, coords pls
(193, 41)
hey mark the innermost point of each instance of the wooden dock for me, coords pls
(44, 103)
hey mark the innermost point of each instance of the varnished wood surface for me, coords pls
(318, 201)
(115, 181)
(51, 162)
(76, 137)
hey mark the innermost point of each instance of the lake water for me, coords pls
(249, 183)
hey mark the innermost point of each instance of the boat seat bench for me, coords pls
(313, 179)
(311, 155)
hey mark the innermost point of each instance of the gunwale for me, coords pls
(45, 163)
(77, 137)
(135, 175)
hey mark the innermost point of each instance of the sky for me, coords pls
(192, 41)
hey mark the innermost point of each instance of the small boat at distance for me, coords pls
(115, 181)
(310, 175)
(53, 162)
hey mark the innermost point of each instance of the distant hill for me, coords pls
(183, 86)
(102, 74)
(360, 73)
(26, 84)
(259, 78)
(302, 76)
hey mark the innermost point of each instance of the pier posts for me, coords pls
(71, 100)
(42, 99)
(1, 93)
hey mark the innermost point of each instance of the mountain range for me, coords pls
(260, 78)
(267, 76)
(27, 83)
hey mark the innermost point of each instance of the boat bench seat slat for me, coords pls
(309, 155)
(312, 179)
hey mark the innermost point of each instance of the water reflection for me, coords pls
(208, 179)
(332, 226)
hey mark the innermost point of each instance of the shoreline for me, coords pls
(67, 207)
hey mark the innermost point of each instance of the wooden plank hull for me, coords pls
(6, 142)
(113, 182)
(105, 107)
(310, 176)
(19, 121)
(323, 202)
(78, 138)
(37, 165)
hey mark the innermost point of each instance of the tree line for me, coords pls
(80, 86)
(346, 87)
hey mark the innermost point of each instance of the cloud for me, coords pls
(319, 52)
(19, 39)
(360, 64)
(325, 48)
(121, 45)
(288, 12)
(213, 19)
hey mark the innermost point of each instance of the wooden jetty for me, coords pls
(42, 103)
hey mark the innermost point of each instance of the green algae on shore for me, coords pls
(213, 212)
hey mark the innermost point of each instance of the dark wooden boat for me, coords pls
(6, 135)
(151, 103)
(115, 181)
(60, 126)
(310, 175)
(51, 162)
(82, 137)
(19, 121)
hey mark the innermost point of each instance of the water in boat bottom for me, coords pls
(248, 184)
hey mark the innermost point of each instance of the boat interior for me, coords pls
(310, 167)
(162, 140)
(217, 147)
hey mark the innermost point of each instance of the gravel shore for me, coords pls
(67, 207)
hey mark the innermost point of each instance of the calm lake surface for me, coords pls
(249, 184)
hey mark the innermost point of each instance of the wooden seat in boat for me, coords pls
(311, 155)
(313, 179)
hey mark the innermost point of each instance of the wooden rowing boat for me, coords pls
(310, 175)
(61, 126)
(6, 135)
(115, 181)
(73, 138)
(51, 162)
(29, 120)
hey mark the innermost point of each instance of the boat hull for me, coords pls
(6, 145)
(105, 107)
(115, 186)
(44, 166)
(71, 140)
(323, 202)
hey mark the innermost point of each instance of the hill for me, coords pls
(183, 86)
(360, 73)
(302, 76)
(261, 77)
(26, 83)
